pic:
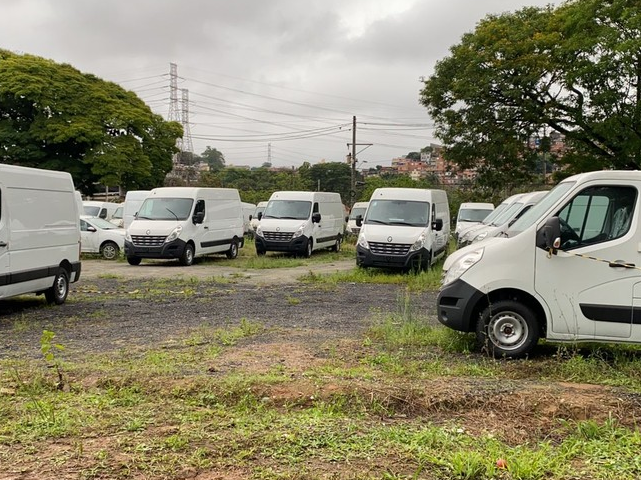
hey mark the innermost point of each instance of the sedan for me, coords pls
(101, 236)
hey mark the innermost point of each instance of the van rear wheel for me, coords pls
(337, 245)
(233, 250)
(187, 258)
(60, 289)
(508, 329)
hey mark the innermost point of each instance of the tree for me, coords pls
(214, 158)
(54, 117)
(574, 70)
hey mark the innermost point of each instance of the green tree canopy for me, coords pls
(52, 116)
(214, 158)
(574, 70)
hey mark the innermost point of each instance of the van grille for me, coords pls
(148, 240)
(278, 236)
(400, 249)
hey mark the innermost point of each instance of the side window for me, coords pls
(433, 212)
(103, 213)
(597, 214)
(83, 226)
(315, 210)
(200, 207)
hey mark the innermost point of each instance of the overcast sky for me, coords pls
(285, 73)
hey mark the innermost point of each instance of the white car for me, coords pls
(101, 236)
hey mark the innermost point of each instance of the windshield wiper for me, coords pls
(381, 222)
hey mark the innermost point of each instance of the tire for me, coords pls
(260, 252)
(337, 245)
(233, 250)
(60, 289)
(308, 248)
(187, 258)
(109, 251)
(507, 329)
(134, 260)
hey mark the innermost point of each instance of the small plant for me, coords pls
(48, 347)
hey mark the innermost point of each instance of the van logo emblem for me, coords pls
(389, 239)
(278, 229)
(147, 232)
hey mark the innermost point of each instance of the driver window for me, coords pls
(84, 227)
(200, 207)
(597, 214)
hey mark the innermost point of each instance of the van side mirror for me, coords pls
(250, 217)
(359, 220)
(549, 235)
(347, 218)
(91, 229)
(316, 217)
(260, 215)
(437, 225)
(198, 218)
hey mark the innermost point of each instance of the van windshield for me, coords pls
(535, 213)
(473, 214)
(288, 209)
(159, 208)
(398, 212)
(91, 211)
(356, 211)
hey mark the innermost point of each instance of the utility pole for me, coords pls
(352, 187)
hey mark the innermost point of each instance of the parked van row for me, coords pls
(568, 270)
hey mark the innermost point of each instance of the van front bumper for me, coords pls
(455, 305)
(418, 258)
(298, 244)
(173, 249)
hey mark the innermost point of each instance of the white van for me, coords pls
(133, 201)
(184, 223)
(568, 271)
(404, 228)
(39, 233)
(117, 218)
(358, 210)
(258, 213)
(104, 210)
(248, 211)
(471, 213)
(467, 234)
(512, 214)
(301, 222)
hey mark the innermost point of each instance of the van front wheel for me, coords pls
(233, 250)
(109, 250)
(58, 292)
(507, 329)
(134, 260)
(308, 248)
(187, 258)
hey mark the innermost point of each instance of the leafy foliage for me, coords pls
(52, 116)
(574, 70)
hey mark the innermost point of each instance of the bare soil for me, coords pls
(115, 307)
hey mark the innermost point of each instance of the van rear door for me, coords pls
(4, 241)
(589, 284)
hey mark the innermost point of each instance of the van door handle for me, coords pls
(621, 264)
(206, 227)
(3, 244)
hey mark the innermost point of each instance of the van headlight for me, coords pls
(419, 243)
(299, 232)
(175, 233)
(459, 267)
(128, 236)
(479, 237)
(259, 231)
(362, 242)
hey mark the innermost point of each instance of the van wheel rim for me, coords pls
(109, 252)
(507, 330)
(61, 286)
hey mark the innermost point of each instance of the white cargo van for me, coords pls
(471, 213)
(248, 211)
(358, 210)
(133, 201)
(254, 220)
(301, 222)
(512, 214)
(184, 223)
(39, 233)
(104, 210)
(569, 270)
(467, 234)
(404, 228)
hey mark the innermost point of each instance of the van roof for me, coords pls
(408, 193)
(478, 205)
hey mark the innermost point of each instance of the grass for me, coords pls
(360, 415)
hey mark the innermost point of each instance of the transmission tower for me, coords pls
(269, 153)
(174, 111)
(187, 144)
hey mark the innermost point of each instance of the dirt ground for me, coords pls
(115, 306)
